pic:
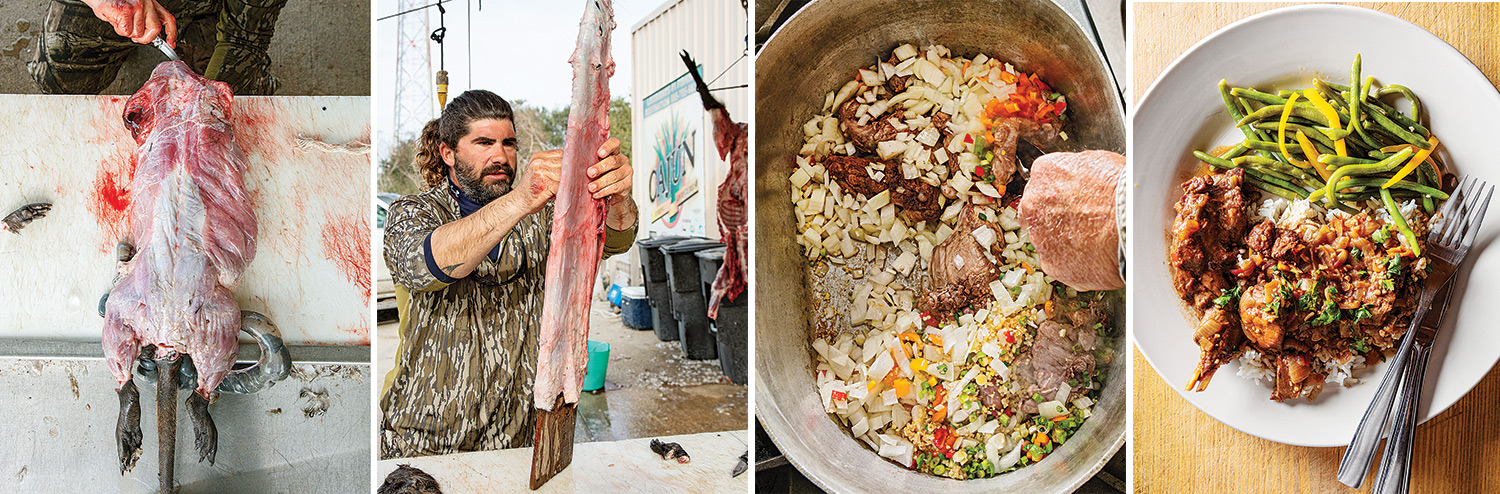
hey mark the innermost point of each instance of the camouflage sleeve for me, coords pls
(617, 242)
(407, 234)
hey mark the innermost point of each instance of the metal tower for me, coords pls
(413, 73)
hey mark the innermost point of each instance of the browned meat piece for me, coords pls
(1068, 208)
(992, 396)
(1207, 235)
(867, 136)
(1287, 242)
(1260, 308)
(960, 272)
(940, 120)
(1292, 372)
(915, 200)
(1218, 337)
(897, 84)
(1260, 237)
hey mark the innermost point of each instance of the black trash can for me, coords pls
(654, 267)
(688, 304)
(729, 328)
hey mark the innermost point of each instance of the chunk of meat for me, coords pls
(915, 200)
(1068, 209)
(1058, 353)
(1260, 308)
(1007, 133)
(578, 220)
(1293, 370)
(876, 129)
(1260, 237)
(1207, 235)
(961, 270)
(1287, 243)
(192, 225)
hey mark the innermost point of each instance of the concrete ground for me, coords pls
(650, 390)
(321, 47)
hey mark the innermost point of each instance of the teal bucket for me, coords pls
(593, 379)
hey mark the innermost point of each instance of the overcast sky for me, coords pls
(520, 50)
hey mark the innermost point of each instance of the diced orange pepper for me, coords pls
(1040, 439)
(939, 413)
(935, 339)
(902, 387)
(1059, 418)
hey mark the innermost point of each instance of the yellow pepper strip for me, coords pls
(1286, 112)
(1328, 113)
(1312, 155)
(1412, 165)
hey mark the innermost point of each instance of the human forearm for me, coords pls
(620, 212)
(458, 247)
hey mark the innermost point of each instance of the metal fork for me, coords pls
(1446, 250)
(1446, 255)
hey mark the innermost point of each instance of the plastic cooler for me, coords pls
(635, 308)
(688, 304)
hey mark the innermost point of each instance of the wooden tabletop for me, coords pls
(1175, 447)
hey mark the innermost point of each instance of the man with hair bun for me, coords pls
(472, 248)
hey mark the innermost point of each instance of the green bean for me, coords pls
(1395, 211)
(1377, 182)
(1253, 95)
(1353, 94)
(1333, 160)
(1416, 104)
(1234, 110)
(1424, 177)
(1274, 112)
(1331, 95)
(1401, 119)
(1383, 166)
(1235, 151)
(1291, 129)
(1214, 160)
(1291, 193)
(1399, 132)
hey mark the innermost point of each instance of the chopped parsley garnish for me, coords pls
(1388, 284)
(1362, 313)
(1357, 254)
(1383, 234)
(1227, 296)
(1331, 314)
(1360, 345)
(1393, 267)
(1308, 301)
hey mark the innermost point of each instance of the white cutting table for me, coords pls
(308, 179)
(609, 466)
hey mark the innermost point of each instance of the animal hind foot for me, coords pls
(205, 435)
(128, 429)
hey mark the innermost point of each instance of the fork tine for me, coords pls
(1453, 212)
(1477, 216)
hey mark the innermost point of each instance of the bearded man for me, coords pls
(472, 248)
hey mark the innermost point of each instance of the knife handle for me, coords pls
(1361, 453)
(1395, 469)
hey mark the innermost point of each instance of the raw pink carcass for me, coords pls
(192, 226)
(732, 141)
(577, 220)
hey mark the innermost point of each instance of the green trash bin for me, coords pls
(593, 378)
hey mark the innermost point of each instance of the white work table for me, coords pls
(608, 466)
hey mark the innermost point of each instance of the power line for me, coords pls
(414, 9)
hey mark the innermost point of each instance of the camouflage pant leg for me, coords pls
(77, 53)
(80, 54)
(241, 57)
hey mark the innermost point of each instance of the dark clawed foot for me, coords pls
(205, 435)
(128, 429)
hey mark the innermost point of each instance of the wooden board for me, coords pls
(1175, 447)
(309, 180)
(618, 466)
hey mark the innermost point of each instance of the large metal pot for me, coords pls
(818, 50)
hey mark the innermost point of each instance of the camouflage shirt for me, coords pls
(464, 369)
